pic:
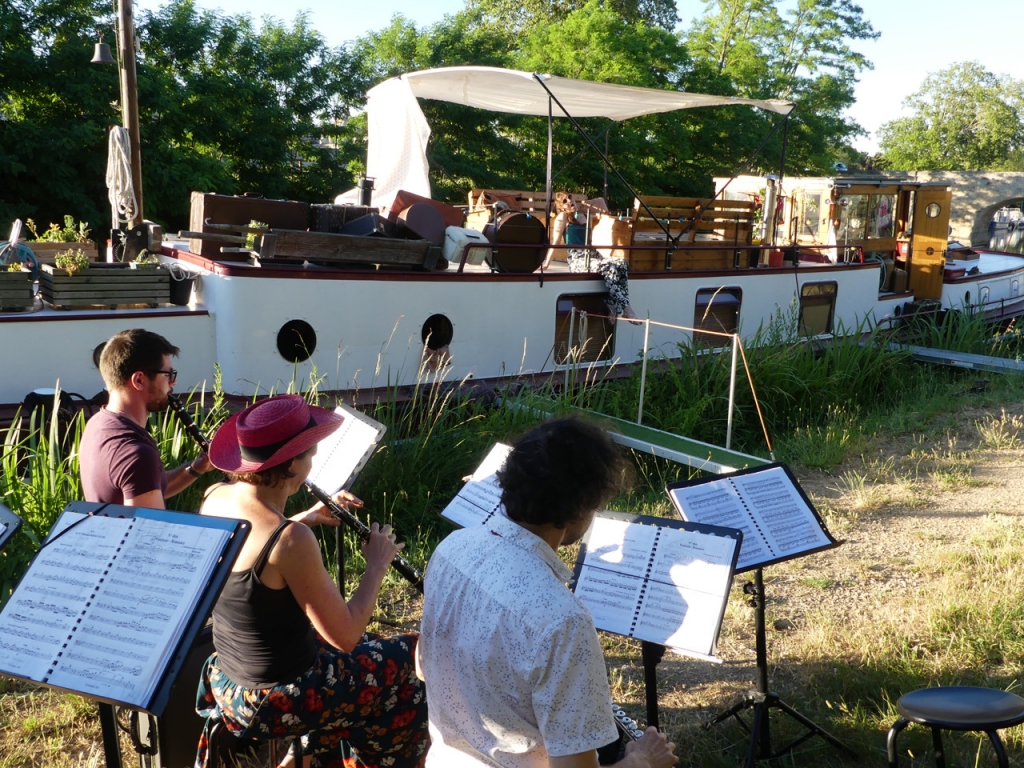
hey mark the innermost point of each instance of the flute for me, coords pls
(413, 576)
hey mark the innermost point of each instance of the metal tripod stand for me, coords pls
(763, 700)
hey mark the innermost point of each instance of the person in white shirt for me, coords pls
(513, 667)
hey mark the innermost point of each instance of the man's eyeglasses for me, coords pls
(172, 375)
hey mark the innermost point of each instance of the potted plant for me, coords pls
(56, 238)
(74, 281)
(16, 293)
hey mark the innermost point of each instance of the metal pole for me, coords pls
(547, 183)
(732, 390)
(568, 346)
(130, 101)
(643, 371)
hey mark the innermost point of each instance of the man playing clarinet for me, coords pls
(513, 667)
(120, 461)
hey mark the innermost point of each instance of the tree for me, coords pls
(802, 54)
(223, 107)
(54, 109)
(522, 15)
(964, 119)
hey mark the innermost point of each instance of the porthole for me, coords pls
(967, 298)
(296, 341)
(1015, 287)
(437, 332)
(932, 210)
(984, 295)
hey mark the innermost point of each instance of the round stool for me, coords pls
(957, 708)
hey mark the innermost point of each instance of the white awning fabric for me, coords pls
(509, 90)
(398, 132)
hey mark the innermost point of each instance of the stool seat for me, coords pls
(957, 708)
(962, 708)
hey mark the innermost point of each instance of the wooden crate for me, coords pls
(46, 252)
(225, 209)
(105, 285)
(15, 291)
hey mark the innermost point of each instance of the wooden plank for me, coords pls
(325, 246)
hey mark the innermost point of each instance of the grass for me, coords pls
(827, 407)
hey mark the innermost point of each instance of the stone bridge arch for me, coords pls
(976, 196)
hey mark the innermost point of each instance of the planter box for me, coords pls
(105, 285)
(15, 291)
(45, 252)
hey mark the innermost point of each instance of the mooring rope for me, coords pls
(120, 191)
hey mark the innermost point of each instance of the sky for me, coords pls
(917, 37)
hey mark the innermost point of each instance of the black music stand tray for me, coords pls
(764, 700)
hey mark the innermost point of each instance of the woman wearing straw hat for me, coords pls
(291, 655)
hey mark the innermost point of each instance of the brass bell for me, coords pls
(101, 54)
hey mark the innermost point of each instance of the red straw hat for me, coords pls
(270, 433)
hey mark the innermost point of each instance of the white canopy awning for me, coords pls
(509, 90)
(398, 132)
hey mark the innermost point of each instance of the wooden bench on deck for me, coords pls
(728, 221)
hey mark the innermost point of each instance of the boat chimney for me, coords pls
(365, 191)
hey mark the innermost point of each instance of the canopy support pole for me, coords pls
(547, 188)
(608, 163)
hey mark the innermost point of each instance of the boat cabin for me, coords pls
(901, 223)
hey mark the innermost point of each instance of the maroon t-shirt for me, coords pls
(119, 460)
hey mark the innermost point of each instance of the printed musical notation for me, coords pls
(766, 504)
(342, 454)
(480, 497)
(667, 585)
(102, 605)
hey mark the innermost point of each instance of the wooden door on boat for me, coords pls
(928, 247)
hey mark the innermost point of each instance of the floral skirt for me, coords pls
(614, 272)
(369, 700)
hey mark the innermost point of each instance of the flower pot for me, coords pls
(105, 285)
(16, 291)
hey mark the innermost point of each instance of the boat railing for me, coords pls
(706, 254)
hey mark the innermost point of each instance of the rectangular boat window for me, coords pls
(806, 212)
(817, 308)
(716, 309)
(593, 337)
(853, 218)
(881, 221)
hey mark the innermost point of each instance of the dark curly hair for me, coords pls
(559, 472)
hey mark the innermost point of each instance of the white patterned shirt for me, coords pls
(512, 662)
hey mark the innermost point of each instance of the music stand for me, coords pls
(779, 523)
(10, 524)
(104, 564)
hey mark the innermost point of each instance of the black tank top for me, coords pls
(261, 635)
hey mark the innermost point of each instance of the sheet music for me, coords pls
(775, 519)
(47, 606)
(788, 524)
(480, 497)
(340, 455)
(102, 607)
(661, 584)
(125, 637)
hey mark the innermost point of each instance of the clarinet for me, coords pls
(628, 727)
(401, 565)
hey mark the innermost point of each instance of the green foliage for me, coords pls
(69, 233)
(964, 119)
(72, 261)
(38, 477)
(222, 108)
(803, 54)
